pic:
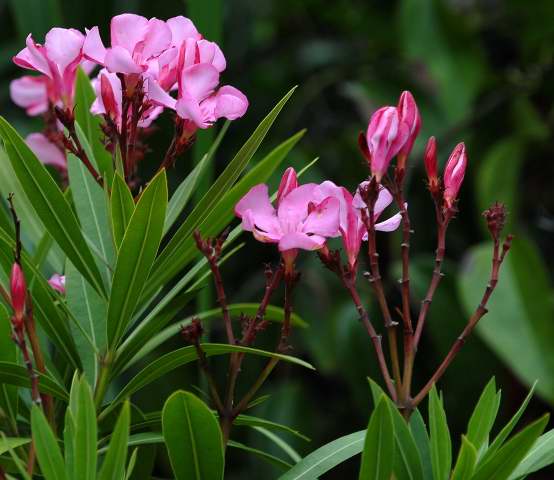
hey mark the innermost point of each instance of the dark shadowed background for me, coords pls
(481, 72)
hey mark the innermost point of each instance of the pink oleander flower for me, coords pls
(386, 135)
(408, 114)
(299, 222)
(18, 291)
(351, 226)
(57, 60)
(135, 41)
(198, 99)
(57, 282)
(454, 174)
(109, 101)
(47, 152)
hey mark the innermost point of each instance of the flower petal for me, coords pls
(181, 29)
(63, 47)
(157, 38)
(119, 60)
(93, 48)
(127, 30)
(293, 209)
(187, 107)
(255, 209)
(230, 103)
(389, 225)
(324, 219)
(33, 57)
(30, 93)
(157, 95)
(294, 240)
(46, 152)
(200, 80)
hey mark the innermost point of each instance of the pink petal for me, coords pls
(46, 152)
(149, 116)
(99, 107)
(93, 48)
(181, 29)
(158, 95)
(294, 240)
(324, 219)
(157, 38)
(119, 60)
(255, 209)
(30, 93)
(289, 182)
(383, 200)
(200, 80)
(293, 209)
(63, 47)
(187, 107)
(209, 52)
(230, 103)
(127, 30)
(33, 57)
(57, 282)
(389, 225)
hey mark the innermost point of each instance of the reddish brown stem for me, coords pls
(480, 311)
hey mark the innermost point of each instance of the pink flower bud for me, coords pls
(409, 114)
(57, 282)
(18, 292)
(288, 183)
(430, 160)
(108, 98)
(454, 174)
(386, 135)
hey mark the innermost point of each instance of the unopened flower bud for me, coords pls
(454, 174)
(289, 182)
(386, 135)
(409, 115)
(496, 219)
(430, 161)
(193, 332)
(18, 289)
(57, 282)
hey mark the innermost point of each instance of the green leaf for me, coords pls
(122, 207)
(509, 456)
(540, 456)
(378, 453)
(483, 416)
(136, 256)
(69, 442)
(85, 434)
(90, 124)
(441, 446)
(507, 429)
(178, 251)
(280, 443)
(116, 456)
(46, 445)
(467, 458)
(267, 457)
(13, 374)
(327, 457)
(89, 311)
(421, 438)
(7, 443)
(193, 438)
(8, 353)
(520, 311)
(250, 421)
(407, 461)
(182, 356)
(50, 205)
(91, 206)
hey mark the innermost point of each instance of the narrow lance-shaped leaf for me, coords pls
(483, 416)
(465, 464)
(441, 446)
(46, 445)
(8, 353)
(116, 456)
(85, 434)
(378, 453)
(122, 207)
(136, 256)
(193, 438)
(14, 374)
(50, 205)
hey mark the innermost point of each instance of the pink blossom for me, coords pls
(409, 115)
(57, 282)
(57, 60)
(298, 222)
(135, 41)
(454, 174)
(386, 135)
(31, 93)
(351, 226)
(198, 98)
(46, 151)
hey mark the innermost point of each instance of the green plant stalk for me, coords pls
(103, 380)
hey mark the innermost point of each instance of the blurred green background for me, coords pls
(481, 72)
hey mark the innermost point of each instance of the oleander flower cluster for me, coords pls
(149, 65)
